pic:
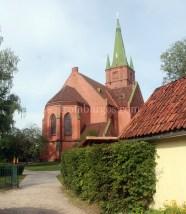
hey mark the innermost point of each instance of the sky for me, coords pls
(52, 36)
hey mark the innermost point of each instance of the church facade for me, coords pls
(85, 107)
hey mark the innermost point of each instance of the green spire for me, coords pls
(118, 24)
(119, 57)
(131, 63)
(108, 62)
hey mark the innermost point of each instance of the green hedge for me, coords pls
(121, 176)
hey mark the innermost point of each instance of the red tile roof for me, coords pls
(163, 112)
(115, 97)
(94, 128)
(101, 89)
(122, 95)
(67, 94)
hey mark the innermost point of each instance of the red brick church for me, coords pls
(85, 107)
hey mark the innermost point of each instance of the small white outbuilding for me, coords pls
(162, 121)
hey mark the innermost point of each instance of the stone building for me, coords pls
(85, 107)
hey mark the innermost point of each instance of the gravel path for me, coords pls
(39, 193)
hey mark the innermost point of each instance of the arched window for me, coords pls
(67, 125)
(53, 124)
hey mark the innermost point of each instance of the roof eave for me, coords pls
(167, 135)
(66, 103)
(98, 140)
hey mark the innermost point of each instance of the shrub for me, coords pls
(121, 176)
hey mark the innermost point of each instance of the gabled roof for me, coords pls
(122, 95)
(115, 97)
(68, 94)
(101, 90)
(164, 111)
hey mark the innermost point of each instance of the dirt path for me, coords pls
(39, 193)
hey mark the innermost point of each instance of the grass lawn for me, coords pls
(45, 166)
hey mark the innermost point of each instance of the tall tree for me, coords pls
(174, 61)
(9, 103)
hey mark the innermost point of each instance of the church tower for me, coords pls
(119, 74)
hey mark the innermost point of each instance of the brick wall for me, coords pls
(119, 77)
(96, 102)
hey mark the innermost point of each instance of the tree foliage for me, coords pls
(25, 145)
(174, 61)
(9, 103)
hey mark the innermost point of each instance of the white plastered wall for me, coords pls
(171, 171)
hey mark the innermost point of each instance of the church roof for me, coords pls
(67, 94)
(116, 97)
(94, 129)
(122, 95)
(101, 89)
(164, 111)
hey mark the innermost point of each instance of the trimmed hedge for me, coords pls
(121, 176)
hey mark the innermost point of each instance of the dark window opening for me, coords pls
(67, 125)
(53, 124)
